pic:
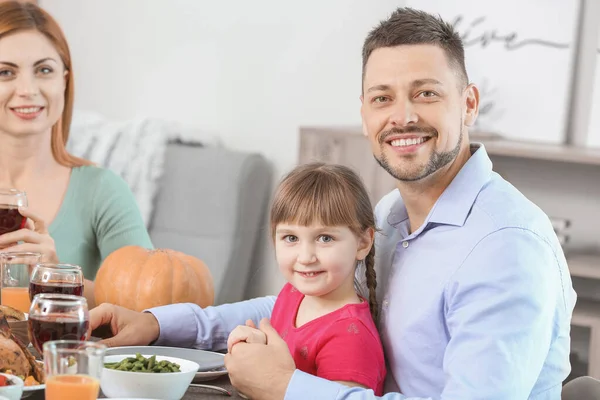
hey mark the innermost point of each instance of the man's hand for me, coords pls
(130, 328)
(261, 372)
(247, 334)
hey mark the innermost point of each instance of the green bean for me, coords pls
(140, 363)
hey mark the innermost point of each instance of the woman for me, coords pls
(78, 213)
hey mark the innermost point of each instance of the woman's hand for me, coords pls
(35, 238)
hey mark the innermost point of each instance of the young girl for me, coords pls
(322, 225)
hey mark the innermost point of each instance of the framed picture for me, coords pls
(520, 58)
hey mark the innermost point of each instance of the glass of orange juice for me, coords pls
(15, 272)
(73, 369)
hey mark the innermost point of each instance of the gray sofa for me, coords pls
(212, 205)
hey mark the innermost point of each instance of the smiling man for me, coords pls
(475, 291)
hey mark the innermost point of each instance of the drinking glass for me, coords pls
(56, 278)
(73, 369)
(57, 317)
(15, 269)
(10, 218)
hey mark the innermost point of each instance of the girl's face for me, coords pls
(32, 84)
(318, 260)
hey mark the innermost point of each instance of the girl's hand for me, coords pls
(247, 333)
(34, 236)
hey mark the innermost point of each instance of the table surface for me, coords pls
(192, 393)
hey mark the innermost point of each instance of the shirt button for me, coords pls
(405, 244)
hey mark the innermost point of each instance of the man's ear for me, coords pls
(471, 99)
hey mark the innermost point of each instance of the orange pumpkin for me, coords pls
(138, 278)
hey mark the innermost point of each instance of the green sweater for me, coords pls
(98, 215)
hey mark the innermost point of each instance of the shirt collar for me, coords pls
(455, 203)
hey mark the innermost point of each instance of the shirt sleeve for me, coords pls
(505, 306)
(350, 352)
(118, 222)
(305, 386)
(189, 325)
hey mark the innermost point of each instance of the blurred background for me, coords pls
(239, 92)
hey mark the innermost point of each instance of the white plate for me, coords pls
(30, 390)
(203, 376)
(212, 365)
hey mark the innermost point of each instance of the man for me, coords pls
(476, 293)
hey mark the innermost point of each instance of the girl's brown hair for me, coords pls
(331, 195)
(18, 16)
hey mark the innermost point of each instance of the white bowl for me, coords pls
(13, 391)
(166, 386)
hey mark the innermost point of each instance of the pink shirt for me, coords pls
(343, 345)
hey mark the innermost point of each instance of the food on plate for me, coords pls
(12, 314)
(17, 320)
(140, 363)
(15, 357)
(4, 381)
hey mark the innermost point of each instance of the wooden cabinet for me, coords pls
(347, 147)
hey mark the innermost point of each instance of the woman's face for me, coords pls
(32, 84)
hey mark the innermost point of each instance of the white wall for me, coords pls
(251, 72)
(594, 126)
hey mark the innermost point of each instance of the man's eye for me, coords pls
(427, 93)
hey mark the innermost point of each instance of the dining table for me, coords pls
(193, 393)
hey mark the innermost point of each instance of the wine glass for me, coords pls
(10, 218)
(73, 369)
(57, 317)
(56, 278)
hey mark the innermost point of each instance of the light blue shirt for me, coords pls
(476, 304)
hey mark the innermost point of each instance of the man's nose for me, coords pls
(403, 113)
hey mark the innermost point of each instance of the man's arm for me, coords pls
(303, 386)
(505, 306)
(188, 325)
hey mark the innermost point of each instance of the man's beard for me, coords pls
(437, 161)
